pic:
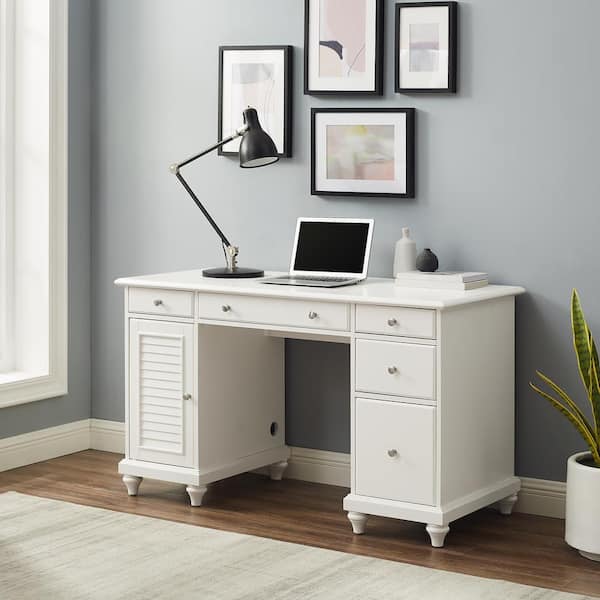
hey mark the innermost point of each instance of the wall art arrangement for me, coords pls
(343, 47)
(363, 152)
(354, 151)
(426, 47)
(261, 77)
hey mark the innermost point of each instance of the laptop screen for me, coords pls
(334, 247)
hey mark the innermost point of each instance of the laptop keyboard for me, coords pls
(316, 278)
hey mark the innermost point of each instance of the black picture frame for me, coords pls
(411, 117)
(288, 62)
(452, 48)
(379, 55)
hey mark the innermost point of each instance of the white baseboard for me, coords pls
(108, 436)
(29, 448)
(542, 497)
(319, 466)
(52, 442)
(537, 496)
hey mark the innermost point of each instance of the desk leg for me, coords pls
(132, 483)
(359, 522)
(276, 470)
(196, 493)
(438, 534)
(505, 506)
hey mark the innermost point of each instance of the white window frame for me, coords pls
(22, 387)
(6, 152)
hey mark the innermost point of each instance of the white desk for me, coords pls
(432, 380)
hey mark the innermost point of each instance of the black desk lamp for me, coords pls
(257, 149)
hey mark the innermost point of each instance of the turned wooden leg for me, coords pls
(359, 522)
(276, 470)
(506, 505)
(437, 533)
(196, 493)
(132, 483)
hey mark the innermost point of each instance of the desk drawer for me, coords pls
(395, 451)
(392, 320)
(152, 301)
(274, 311)
(395, 368)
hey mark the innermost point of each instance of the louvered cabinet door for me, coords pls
(161, 399)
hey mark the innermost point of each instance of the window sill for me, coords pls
(20, 387)
(17, 377)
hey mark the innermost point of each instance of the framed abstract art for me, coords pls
(363, 152)
(260, 77)
(426, 47)
(343, 47)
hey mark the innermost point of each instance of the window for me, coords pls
(33, 200)
(6, 168)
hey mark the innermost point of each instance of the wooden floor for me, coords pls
(521, 548)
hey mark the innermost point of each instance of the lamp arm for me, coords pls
(175, 169)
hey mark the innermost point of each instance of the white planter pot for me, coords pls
(582, 525)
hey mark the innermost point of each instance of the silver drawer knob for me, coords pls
(392, 322)
(226, 308)
(187, 396)
(158, 302)
(312, 315)
(393, 453)
(392, 370)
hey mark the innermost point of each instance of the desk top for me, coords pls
(373, 290)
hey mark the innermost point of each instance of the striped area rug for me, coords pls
(57, 550)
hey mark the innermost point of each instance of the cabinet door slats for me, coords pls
(162, 421)
(151, 358)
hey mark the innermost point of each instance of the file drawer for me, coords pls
(274, 311)
(395, 368)
(392, 320)
(151, 301)
(395, 451)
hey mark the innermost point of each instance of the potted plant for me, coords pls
(582, 525)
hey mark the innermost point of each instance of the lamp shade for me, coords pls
(257, 149)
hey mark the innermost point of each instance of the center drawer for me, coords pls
(395, 368)
(274, 311)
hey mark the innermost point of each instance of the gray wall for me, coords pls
(507, 182)
(76, 405)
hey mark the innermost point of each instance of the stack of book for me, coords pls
(442, 280)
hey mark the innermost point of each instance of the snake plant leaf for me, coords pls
(590, 441)
(581, 339)
(568, 401)
(594, 393)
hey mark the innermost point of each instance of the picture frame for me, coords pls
(341, 58)
(366, 152)
(261, 77)
(426, 47)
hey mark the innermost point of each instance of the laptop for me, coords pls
(329, 253)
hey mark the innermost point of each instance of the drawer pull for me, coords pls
(187, 396)
(392, 453)
(312, 315)
(392, 322)
(226, 308)
(158, 302)
(392, 370)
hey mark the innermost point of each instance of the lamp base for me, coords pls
(238, 272)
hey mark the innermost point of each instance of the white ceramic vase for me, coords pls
(405, 254)
(582, 525)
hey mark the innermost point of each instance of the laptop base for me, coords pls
(306, 282)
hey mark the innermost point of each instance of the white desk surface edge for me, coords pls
(374, 290)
